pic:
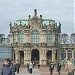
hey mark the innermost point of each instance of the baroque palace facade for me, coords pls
(35, 39)
(38, 40)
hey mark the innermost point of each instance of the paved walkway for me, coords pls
(23, 71)
(41, 71)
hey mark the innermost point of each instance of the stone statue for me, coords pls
(35, 11)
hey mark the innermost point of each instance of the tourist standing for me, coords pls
(30, 67)
(51, 68)
(17, 67)
(7, 68)
(70, 67)
(58, 67)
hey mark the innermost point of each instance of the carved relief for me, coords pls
(35, 23)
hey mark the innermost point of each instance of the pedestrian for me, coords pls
(33, 65)
(30, 67)
(38, 66)
(51, 68)
(70, 67)
(58, 67)
(17, 67)
(6, 68)
(13, 66)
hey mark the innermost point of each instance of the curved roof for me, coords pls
(26, 21)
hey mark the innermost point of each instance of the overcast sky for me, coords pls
(58, 10)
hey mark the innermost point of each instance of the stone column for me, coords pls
(26, 56)
(66, 54)
(42, 57)
(17, 37)
(42, 37)
(16, 56)
(11, 38)
(53, 37)
(53, 56)
(26, 38)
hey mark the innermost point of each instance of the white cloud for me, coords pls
(60, 10)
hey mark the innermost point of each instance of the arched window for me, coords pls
(63, 54)
(49, 37)
(21, 37)
(69, 53)
(35, 36)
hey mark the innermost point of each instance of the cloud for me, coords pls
(59, 10)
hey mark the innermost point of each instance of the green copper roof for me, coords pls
(47, 21)
(44, 22)
(23, 22)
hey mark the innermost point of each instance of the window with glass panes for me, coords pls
(8, 39)
(69, 53)
(49, 37)
(63, 54)
(21, 37)
(35, 36)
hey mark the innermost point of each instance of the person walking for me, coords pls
(30, 67)
(51, 68)
(17, 67)
(70, 67)
(13, 66)
(58, 67)
(38, 66)
(7, 68)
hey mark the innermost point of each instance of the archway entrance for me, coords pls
(35, 56)
(49, 56)
(21, 53)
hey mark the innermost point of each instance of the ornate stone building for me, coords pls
(35, 39)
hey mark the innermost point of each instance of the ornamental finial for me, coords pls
(35, 12)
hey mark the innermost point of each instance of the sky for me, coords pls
(58, 10)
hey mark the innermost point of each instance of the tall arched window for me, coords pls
(49, 37)
(35, 36)
(63, 54)
(21, 37)
(69, 53)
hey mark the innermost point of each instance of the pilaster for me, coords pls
(16, 56)
(53, 56)
(66, 54)
(27, 56)
(42, 57)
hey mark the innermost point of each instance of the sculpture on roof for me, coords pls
(35, 12)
